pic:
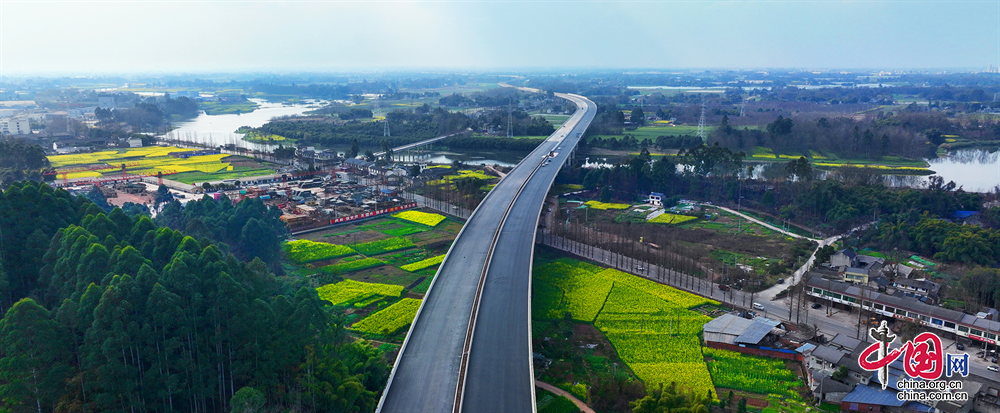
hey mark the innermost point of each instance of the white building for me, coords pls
(14, 126)
(106, 101)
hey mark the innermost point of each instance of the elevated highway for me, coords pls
(469, 348)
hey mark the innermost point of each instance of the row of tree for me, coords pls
(404, 126)
(845, 137)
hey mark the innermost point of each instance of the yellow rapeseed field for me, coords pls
(151, 160)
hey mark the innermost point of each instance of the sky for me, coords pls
(122, 36)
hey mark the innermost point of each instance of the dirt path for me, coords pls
(759, 222)
(583, 406)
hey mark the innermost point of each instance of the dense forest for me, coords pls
(150, 115)
(248, 229)
(909, 135)
(108, 312)
(20, 160)
(408, 126)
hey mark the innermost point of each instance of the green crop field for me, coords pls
(419, 265)
(555, 120)
(668, 218)
(420, 217)
(568, 288)
(151, 160)
(349, 291)
(352, 265)
(220, 108)
(653, 132)
(382, 245)
(391, 319)
(303, 251)
(649, 324)
(759, 375)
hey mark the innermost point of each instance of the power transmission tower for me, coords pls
(378, 112)
(510, 119)
(701, 122)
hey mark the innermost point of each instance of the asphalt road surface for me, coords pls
(426, 375)
(500, 376)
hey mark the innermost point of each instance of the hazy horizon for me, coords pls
(153, 37)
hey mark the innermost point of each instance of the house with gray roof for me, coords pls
(825, 359)
(735, 330)
(844, 343)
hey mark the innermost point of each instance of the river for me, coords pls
(975, 170)
(215, 130)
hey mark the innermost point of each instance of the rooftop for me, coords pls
(828, 354)
(872, 395)
(754, 333)
(845, 342)
(727, 324)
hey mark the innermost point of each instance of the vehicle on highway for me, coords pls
(723, 287)
(640, 268)
(758, 306)
(817, 306)
(993, 368)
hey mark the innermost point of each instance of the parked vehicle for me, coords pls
(723, 287)
(781, 280)
(817, 306)
(960, 346)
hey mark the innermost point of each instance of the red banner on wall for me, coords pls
(372, 214)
